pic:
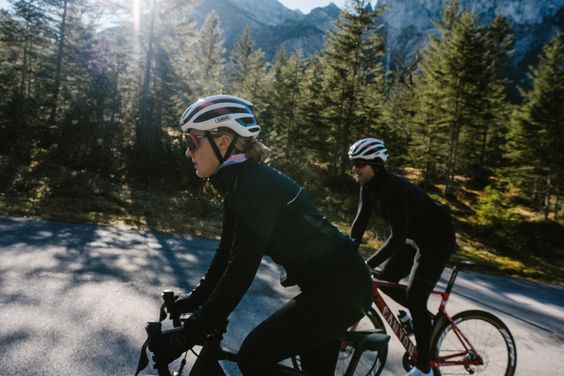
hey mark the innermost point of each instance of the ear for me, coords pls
(224, 142)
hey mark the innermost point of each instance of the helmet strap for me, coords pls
(231, 146)
(216, 149)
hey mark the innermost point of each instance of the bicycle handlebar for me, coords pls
(154, 330)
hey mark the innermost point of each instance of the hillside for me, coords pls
(525, 247)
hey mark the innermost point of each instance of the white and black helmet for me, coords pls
(221, 111)
(369, 149)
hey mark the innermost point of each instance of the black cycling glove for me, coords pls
(186, 303)
(182, 304)
(172, 343)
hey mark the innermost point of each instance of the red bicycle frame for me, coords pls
(467, 357)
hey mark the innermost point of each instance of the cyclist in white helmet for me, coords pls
(421, 241)
(265, 213)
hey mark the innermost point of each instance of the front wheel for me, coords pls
(487, 335)
(371, 363)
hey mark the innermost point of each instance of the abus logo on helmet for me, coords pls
(223, 118)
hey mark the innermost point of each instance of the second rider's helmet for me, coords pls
(369, 149)
(221, 111)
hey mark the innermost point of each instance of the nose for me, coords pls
(188, 153)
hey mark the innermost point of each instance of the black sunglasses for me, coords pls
(192, 141)
(359, 163)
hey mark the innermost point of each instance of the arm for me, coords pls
(254, 219)
(363, 214)
(199, 295)
(395, 205)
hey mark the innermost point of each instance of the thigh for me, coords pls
(427, 267)
(303, 326)
(274, 339)
(291, 330)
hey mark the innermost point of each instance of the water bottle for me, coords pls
(406, 321)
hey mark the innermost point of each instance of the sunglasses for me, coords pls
(358, 163)
(192, 140)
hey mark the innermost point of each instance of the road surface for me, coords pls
(74, 299)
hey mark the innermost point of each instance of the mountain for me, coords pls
(407, 25)
(272, 24)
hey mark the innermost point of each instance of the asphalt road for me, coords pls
(74, 300)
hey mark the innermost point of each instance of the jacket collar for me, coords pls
(380, 177)
(224, 178)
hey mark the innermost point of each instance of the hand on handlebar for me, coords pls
(175, 305)
(172, 343)
(169, 346)
(185, 304)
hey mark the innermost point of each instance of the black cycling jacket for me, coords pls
(409, 211)
(266, 213)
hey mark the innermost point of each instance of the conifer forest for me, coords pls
(91, 95)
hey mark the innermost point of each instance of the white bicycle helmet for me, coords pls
(369, 149)
(221, 111)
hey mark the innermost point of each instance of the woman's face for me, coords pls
(203, 157)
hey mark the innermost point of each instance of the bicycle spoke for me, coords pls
(489, 338)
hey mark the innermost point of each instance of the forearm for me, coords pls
(392, 245)
(360, 221)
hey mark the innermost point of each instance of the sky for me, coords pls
(306, 5)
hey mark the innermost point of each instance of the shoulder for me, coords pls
(257, 182)
(395, 186)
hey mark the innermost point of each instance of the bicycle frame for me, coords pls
(460, 358)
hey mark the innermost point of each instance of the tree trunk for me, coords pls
(58, 65)
(22, 90)
(547, 198)
(144, 134)
(484, 146)
(557, 203)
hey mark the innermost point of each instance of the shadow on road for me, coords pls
(74, 298)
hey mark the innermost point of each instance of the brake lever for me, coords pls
(169, 298)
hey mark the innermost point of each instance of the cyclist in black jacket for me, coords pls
(266, 213)
(421, 241)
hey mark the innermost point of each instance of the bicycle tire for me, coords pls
(488, 335)
(371, 363)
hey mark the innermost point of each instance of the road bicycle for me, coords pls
(355, 342)
(470, 342)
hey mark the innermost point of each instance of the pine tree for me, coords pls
(275, 96)
(452, 85)
(11, 102)
(248, 71)
(537, 142)
(58, 67)
(157, 25)
(209, 57)
(314, 128)
(354, 78)
(482, 143)
(398, 113)
(240, 62)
